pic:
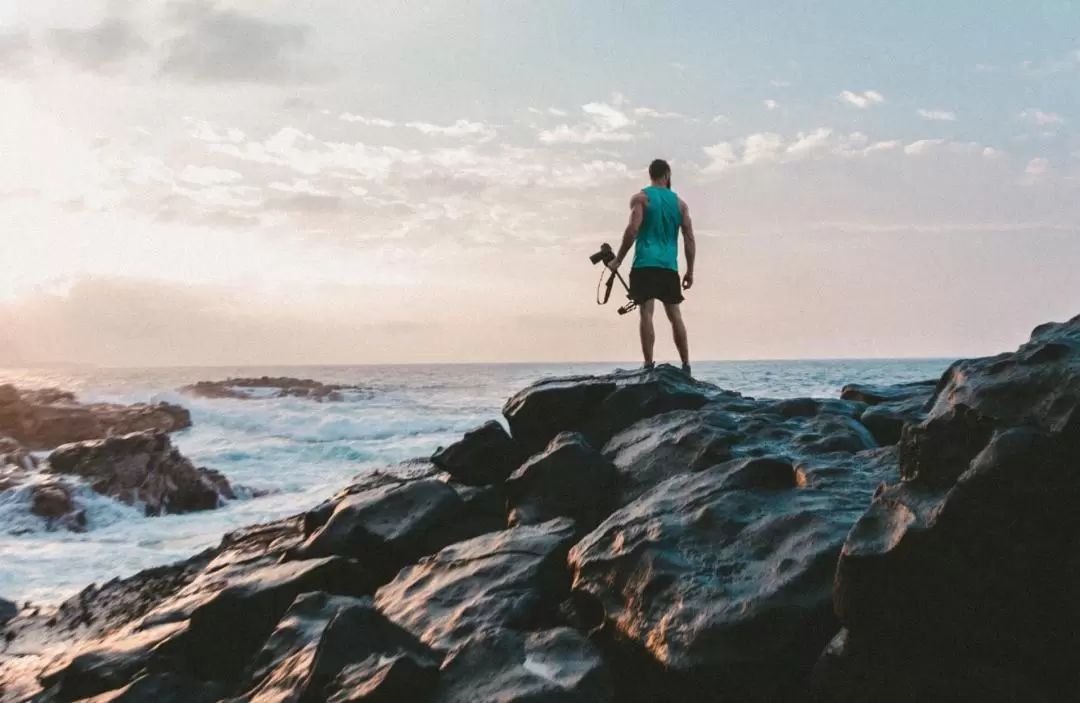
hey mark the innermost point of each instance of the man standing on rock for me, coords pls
(656, 216)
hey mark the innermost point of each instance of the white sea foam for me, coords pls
(303, 451)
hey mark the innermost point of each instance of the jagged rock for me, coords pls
(163, 688)
(877, 395)
(554, 666)
(601, 406)
(718, 584)
(483, 456)
(273, 387)
(13, 454)
(380, 679)
(569, 479)
(322, 635)
(53, 501)
(514, 579)
(965, 573)
(886, 421)
(389, 527)
(8, 610)
(48, 418)
(141, 468)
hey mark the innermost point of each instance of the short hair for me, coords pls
(658, 169)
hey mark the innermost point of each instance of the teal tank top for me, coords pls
(657, 243)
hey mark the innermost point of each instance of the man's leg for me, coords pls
(648, 334)
(678, 329)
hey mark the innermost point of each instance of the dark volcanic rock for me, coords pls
(553, 666)
(877, 395)
(141, 468)
(601, 406)
(483, 456)
(163, 688)
(727, 590)
(389, 527)
(8, 610)
(964, 575)
(319, 637)
(273, 387)
(514, 579)
(569, 479)
(379, 679)
(54, 501)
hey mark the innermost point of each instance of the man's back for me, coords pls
(657, 241)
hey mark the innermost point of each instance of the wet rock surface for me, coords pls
(634, 537)
(144, 469)
(265, 387)
(45, 419)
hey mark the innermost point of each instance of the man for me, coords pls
(656, 216)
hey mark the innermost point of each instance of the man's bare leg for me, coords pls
(678, 330)
(648, 334)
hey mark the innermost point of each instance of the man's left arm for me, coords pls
(637, 214)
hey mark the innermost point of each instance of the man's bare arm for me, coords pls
(691, 244)
(637, 214)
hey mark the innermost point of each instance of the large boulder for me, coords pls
(513, 579)
(964, 575)
(389, 527)
(570, 478)
(601, 406)
(142, 469)
(208, 630)
(554, 666)
(878, 395)
(319, 637)
(55, 501)
(483, 456)
(717, 584)
(8, 610)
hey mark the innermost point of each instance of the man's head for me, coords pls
(660, 172)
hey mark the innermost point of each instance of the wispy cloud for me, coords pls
(373, 121)
(460, 128)
(862, 100)
(771, 104)
(770, 147)
(656, 114)
(1038, 117)
(780, 84)
(936, 115)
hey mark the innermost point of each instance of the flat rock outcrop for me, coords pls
(265, 387)
(45, 419)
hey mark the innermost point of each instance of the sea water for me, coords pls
(301, 451)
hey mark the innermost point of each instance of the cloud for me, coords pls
(771, 104)
(208, 175)
(557, 112)
(100, 47)
(862, 100)
(607, 116)
(656, 114)
(228, 46)
(372, 121)
(780, 84)
(773, 148)
(582, 134)
(1038, 117)
(1036, 170)
(720, 119)
(15, 52)
(936, 115)
(461, 128)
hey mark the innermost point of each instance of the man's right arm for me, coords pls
(690, 245)
(637, 214)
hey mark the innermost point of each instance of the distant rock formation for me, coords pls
(660, 540)
(45, 419)
(273, 387)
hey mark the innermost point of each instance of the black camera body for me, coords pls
(606, 255)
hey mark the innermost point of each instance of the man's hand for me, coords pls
(688, 280)
(614, 265)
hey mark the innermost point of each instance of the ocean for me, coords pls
(302, 451)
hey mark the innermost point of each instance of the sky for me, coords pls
(188, 182)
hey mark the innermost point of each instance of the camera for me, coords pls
(605, 254)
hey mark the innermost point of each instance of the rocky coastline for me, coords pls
(635, 537)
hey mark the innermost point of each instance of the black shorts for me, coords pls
(647, 283)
